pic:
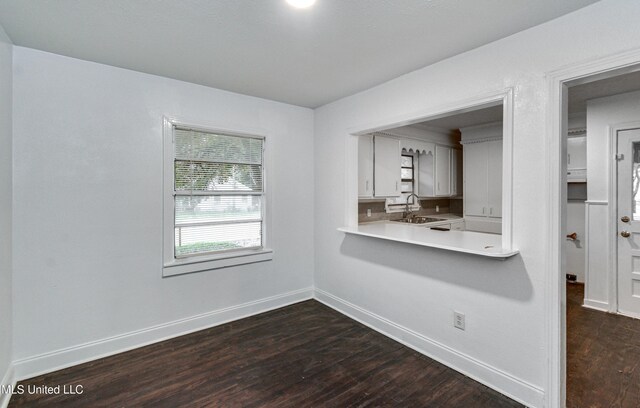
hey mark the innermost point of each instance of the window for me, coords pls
(217, 197)
(407, 185)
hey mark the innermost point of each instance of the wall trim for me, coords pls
(596, 305)
(82, 353)
(492, 377)
(9, 378)
(557, 111)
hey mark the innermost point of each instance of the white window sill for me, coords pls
(205, 263)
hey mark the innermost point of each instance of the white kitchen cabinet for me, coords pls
(443, 171)
(577, 159)
(426, 172)
(494, 179)
(365, 166)
(386, 167)
(483, 179)
(475, 166)
(456, 171)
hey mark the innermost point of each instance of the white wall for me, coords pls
(88, 209)
(6, 86)
(416, 288)
(575, 250)
(602, 113)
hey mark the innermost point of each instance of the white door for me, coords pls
(365, 166)
(386, 166)
(628, 220)
(443, 171)
(475, 179)
(494, 175)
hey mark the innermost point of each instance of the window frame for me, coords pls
(173, 265)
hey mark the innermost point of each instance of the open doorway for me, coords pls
(601, 250)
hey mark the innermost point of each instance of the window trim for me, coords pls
(173, 265)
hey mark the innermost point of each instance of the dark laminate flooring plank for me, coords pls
(603, 356)
(302, 355)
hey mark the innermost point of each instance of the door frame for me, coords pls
(613, 210)
(558, 82)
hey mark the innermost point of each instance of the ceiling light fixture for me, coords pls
(301, 3)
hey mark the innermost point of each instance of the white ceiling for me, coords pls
(267, 49)
(580, 94)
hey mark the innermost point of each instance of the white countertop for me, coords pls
(469, 242)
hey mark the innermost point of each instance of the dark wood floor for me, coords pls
(603, 356)
(298, 356)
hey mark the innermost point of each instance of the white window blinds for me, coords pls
(218, 192)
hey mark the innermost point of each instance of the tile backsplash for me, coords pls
(447, 206)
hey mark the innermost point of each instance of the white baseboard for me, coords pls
(492, 377)
(595, 305)
(59, 359)
(8, 379)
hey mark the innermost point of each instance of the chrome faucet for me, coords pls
(406, 210)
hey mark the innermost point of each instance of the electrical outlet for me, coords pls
(368, 212)
(437, 208)
(458, 320)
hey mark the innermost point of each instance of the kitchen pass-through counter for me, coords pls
(470, 242)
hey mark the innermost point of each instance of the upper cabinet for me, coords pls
(456, 172)
(365, 166)
(438, 171)
(483, 179)
(443, 171)
(577, 159)
(386, 166)
(482, 148)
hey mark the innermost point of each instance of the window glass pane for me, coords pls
(204, 176)
(406, 174)
(199, 209)
(635, 182)
(407, 161)
(406, 187)
(190, 240)
(213, 147)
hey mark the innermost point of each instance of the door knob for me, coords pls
(625, 234)
(625, 219)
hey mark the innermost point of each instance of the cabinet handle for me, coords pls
(367, 186)
(483, 209)
(490, 210)
(438, 186)
(396, 186)
(569, 159)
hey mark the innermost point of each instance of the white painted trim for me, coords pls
(492, 377)
(629, 314)
(596, 305)
(171, 265)
(587, 246)
(556, 172)
(82, 353)
(482, 140)
(9, 378)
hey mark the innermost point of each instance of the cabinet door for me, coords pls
(494, 178)
(577, 153)
(426, 173)
(475, 179)
(456, 171)
(443, 171)
(365, 166)
(386, 165)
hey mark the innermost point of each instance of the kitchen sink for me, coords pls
(420, 219)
